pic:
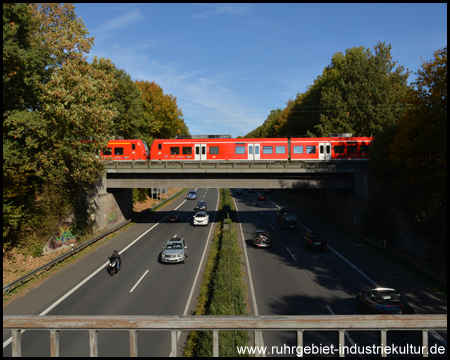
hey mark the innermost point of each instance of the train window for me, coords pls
(351, 148)
(267, 150)
(107, 151)
(133, 146)
(364, 149)
(240, 150)
(187, 150)
(298, 149)
(175, 150)
(280, 150)
(339, 149)
(118, 151)
(310, 149)
(159, 146)
(214, 150)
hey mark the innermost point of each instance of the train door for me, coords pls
(200, 152)
(253, 151)
(324, 151)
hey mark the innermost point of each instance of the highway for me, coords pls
(290, 280)
(286, 279)
(143, 286)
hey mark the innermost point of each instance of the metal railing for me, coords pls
(175, 324)
(239, 166)
(7, 288)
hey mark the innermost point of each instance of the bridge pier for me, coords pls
(113, 205)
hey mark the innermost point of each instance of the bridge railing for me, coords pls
(299, 324)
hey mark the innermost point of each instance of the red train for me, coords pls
(133, 149)
(204, 149)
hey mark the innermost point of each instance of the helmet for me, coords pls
(115, 252)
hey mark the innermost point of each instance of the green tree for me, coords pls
(267, 128)
(365, 94)
(52, 99)
(419, 148)
(163, 119)
(360, 92)
(129, 121)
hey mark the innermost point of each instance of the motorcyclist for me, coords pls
(116, 256)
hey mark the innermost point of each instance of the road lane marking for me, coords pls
(295, 259)
(138, 281)
(374, 284)
(258, 334)
(186, 309)
(203, 256)
(354, 267)
(101, 268)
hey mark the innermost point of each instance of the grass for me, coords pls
(222, 291)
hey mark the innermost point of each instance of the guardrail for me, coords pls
(60, 258)
(7, 288)
(174, 324)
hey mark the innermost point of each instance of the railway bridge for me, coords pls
(114, 196)
(236, 174)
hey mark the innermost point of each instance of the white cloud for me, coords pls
(224, 9)
(125, 20)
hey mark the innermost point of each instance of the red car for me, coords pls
(262, 197)
(173, 216)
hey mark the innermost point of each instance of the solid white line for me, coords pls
(102, 267)
(259, 334)
(250, 280)
(295, 259)
(354, 267)
(347, 261)
(180, 204)
(201, 261)
(139, 281)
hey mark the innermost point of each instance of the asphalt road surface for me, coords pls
(286, 279)
(290, 280)
(143, 286)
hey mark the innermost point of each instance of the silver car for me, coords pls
(175, 251)
(201, 218)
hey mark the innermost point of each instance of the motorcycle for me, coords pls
(112, 266)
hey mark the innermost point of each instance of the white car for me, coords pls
(201, 218)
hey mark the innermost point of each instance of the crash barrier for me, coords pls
(60, 258)
(44, 268)
(340, 323)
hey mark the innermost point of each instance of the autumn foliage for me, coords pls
(58, 111)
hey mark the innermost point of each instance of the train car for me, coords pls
(132, 149)
(309, 149)
(330, 148)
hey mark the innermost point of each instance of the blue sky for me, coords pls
(229, 65)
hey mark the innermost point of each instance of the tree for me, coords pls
(419, 148)
(52, 98)
(267, 128)
(163, 118)
(366, 93)
(129, 121)
(360, 92)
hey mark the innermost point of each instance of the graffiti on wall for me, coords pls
(63, 235)
(112, 215)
